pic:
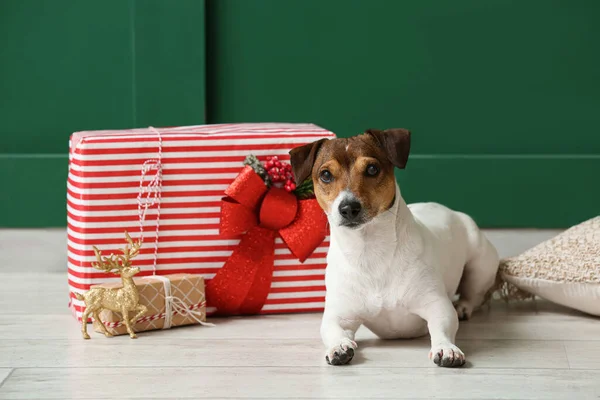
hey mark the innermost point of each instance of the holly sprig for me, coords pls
(279, 173)
(306, 190)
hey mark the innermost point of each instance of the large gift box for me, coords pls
(168, 185)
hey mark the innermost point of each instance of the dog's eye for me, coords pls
(326, 176)
(372, 170)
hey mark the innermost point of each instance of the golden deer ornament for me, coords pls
(121, 300)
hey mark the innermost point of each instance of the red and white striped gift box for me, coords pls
(198, 164)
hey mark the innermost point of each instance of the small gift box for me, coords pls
(171, 300)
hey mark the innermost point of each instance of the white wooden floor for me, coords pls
(520, 351)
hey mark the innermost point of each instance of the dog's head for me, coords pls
(353, 178)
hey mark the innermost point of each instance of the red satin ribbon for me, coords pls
(260, 214)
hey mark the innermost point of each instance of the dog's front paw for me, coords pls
(447, 355)
(342, 353)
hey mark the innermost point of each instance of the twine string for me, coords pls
(150, 192)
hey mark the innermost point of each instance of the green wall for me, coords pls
(69, 65)
(503, 97)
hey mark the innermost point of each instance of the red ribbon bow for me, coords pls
(260, 213)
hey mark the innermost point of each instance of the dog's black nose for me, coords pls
(350, 209)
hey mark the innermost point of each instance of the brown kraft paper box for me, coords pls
(188, 288)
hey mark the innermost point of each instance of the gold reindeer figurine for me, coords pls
(122, 300)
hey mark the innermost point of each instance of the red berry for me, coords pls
(269, 164)
(287, 188)
(293, 186)
(274, 158)
(269, 158)
(288, 182)
(278, 164)
(275, 170)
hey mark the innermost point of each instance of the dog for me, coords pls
(392, 267)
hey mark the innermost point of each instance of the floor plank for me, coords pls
(523, 321)
(259, 352)
(45, 293)
(583, 355)
(310, 383)
(37, 250)
(4, 373)
(539, 320)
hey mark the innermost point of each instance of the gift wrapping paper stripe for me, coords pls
(220, 251)
(102, 188)
(175, 236)
(104, 219)
(276, 130)
(189, 241)
(185, 139)
(197, 157)
(111, 166)
(214, 148)
(197, 152)
(135, 174)
(206, 175)
(202, 197)
(208, 270)
(78, 186)
(126, 204)
(207, 131)
(86, 208)
(291, 284)
(84, 270)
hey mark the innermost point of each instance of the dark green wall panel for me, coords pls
(508, 191)
(70, 65)
(34, 190)
(170, 57)
(502, 96)
(468, 76)
(65, 65)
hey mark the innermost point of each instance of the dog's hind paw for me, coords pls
(342, 353)
(447, 355)
(463, 310)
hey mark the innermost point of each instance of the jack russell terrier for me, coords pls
(392, 267)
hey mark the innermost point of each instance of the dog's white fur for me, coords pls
(398, 273)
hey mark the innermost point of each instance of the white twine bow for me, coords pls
(176, 305)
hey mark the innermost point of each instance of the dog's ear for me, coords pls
(395, 143)
(303, 158)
